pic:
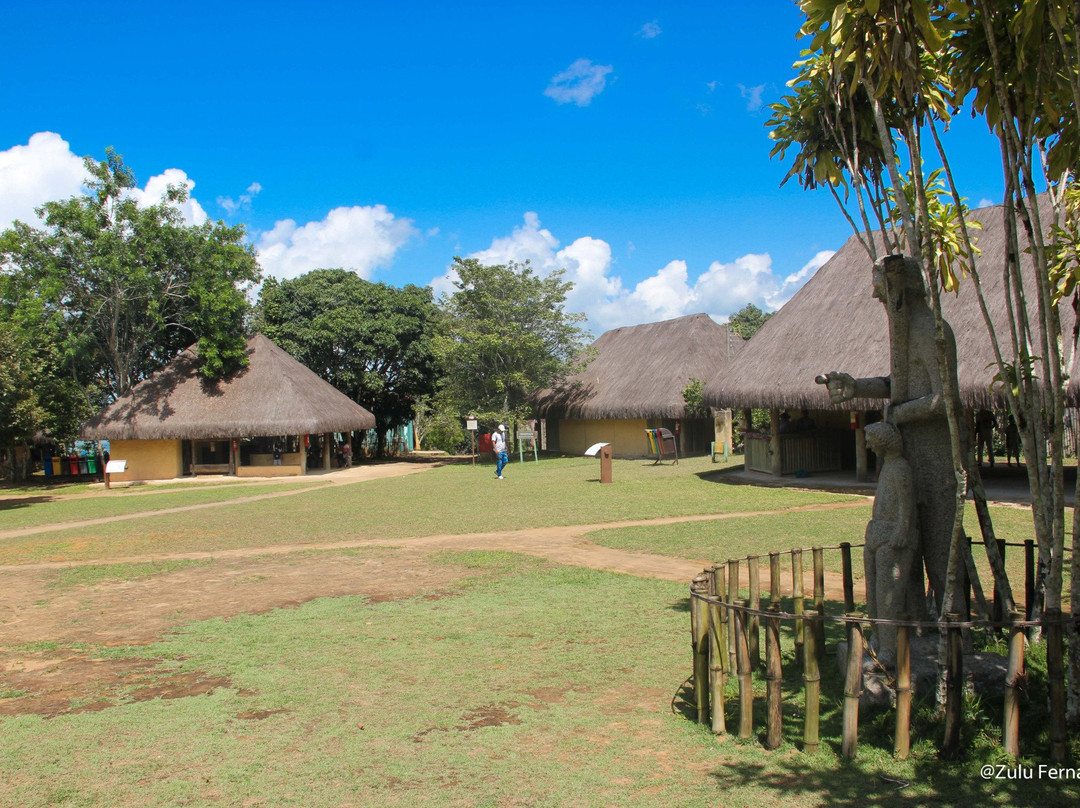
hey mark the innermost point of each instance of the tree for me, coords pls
(506, 335)
(880, 79)
(125, 288)
(748, 320)
(371, 341)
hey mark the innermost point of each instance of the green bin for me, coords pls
(91, 464)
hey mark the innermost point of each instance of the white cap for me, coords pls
(502, 428)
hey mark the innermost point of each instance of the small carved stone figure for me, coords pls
(892, 539)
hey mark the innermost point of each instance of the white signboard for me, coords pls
(470, 424)
(525, 434)
(115, 466)
(594, 450)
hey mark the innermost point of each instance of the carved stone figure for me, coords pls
(892, 540)
(915, 390)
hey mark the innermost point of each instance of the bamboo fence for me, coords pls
(726, 643)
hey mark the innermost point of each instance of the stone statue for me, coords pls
(916, 396)
(892, 540)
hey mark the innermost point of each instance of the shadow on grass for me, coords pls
(23, 502)
(854, 785)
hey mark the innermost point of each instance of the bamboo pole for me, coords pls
(755, 604)
(1010, 729)
(902, 742)
(819, 595)
(849, 583)
(954, 688)
(774, 677)
(812, 684)
(852, 689)
(799, 604)
(732, 598)
(1055, 675)
(998, 614)
(774, 581)
(699, 620)
(1029, 578)
(717, 655)
(746, 689)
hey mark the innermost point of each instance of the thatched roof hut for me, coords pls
(834, 323)
(641, 371)
(273, 395)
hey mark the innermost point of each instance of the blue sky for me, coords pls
(624, 142)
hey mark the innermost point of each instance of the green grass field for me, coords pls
(520, 682)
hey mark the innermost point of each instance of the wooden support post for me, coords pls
(812, 685)
(755, 620)
(849, 583)
(699, 621)
(1055, 680)
(733, 598)
(902, 738)
(954, 688)
(746, 688)
(717, 654)
(1010, 728)
(852, 689)
(998, 615)
(1029, 578)
(819, 595)
(862, 471)
(776, 457)
(774, 581)
(774, 678)
(799, 604)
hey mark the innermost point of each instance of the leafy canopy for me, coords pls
(507, 334)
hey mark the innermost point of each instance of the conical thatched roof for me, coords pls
(273, 395)
(640, 371)
(834, 323)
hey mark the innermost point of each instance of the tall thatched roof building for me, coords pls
(634, 382)
(834, 323)
(176, 423)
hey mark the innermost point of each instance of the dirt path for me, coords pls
(42, 618)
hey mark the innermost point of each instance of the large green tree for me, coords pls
(507, 334)
(748, 320)
(372, 341)
(123, 287)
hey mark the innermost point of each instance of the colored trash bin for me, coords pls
(57, 466)
(91, 464)
(46, 464)
(84, 466)
(73, 465)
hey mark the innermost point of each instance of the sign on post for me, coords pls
(524, 435)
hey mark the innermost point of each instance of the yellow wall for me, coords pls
(627, 437)
(147, 459)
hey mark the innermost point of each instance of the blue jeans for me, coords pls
(500, 464)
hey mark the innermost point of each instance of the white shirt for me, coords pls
(498, 442)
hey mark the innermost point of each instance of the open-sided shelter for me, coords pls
(634, 382)
(834, 323)
(176, 423)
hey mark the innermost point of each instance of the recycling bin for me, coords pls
(47, 466)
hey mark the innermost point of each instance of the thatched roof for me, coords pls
(834, 323)
(641, 371)
(273, 395)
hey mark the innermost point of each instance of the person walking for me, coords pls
(498, 446)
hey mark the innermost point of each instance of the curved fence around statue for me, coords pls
(726, 631)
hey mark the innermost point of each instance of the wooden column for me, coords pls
(326, 451)
(862, 471)
(303, 455)
(776, 460)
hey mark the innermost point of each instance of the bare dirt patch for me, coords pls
(44, 669)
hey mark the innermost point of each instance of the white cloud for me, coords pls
(752, 96)
(158, 185)
(243, 202)
(41, 171)
(671, 291)
(650, 30)
(355, 238)
(46, 170)
(579, 84)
